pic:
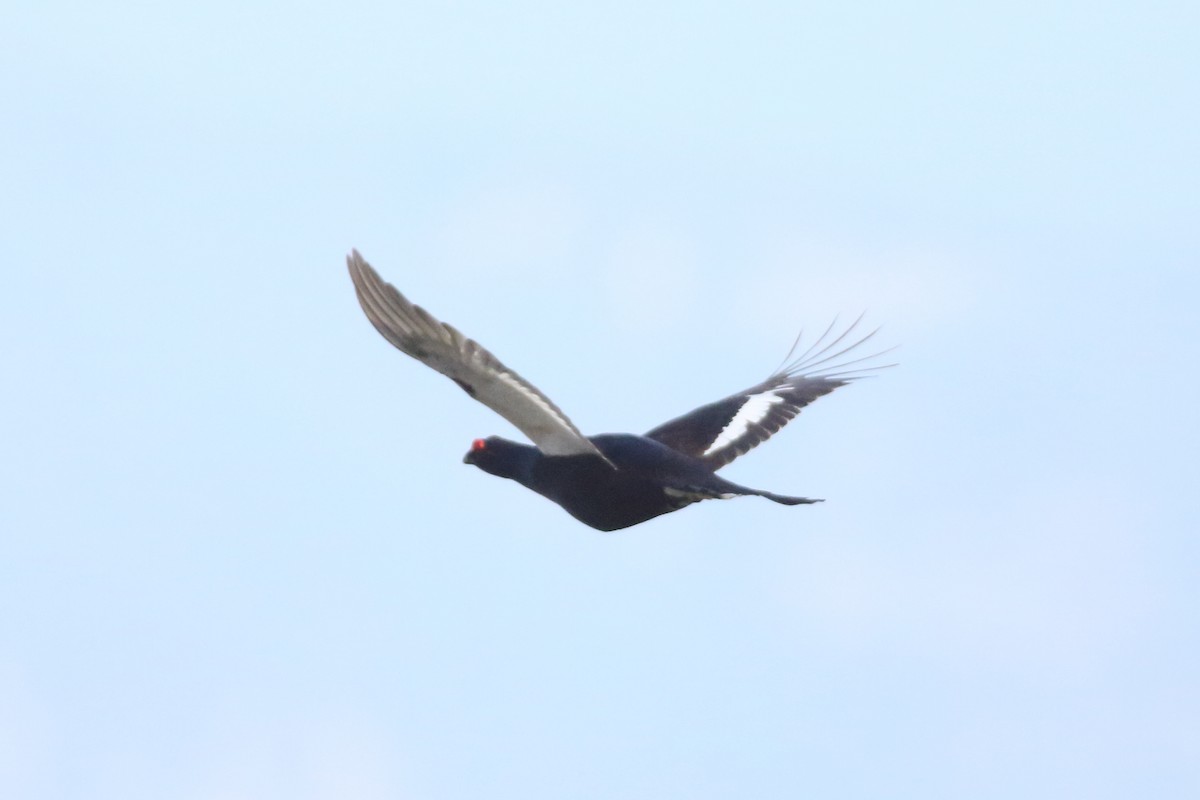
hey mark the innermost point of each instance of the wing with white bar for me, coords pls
(720, 432)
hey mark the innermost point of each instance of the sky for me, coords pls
(240, 556)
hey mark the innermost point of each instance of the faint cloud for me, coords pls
(522, 227)
(326, 758)
(25, 767)
(1055, 581)
(811, 278)
(651, 278)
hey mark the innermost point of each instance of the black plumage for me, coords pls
(609, 481)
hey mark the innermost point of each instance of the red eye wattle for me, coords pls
(477, 445)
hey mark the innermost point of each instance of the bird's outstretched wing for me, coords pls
(720, 432)
(414, 331)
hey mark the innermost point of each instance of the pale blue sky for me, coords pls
(241, 555)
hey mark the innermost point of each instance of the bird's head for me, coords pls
(500, 456)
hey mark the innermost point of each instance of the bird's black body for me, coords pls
(649, 479)
(613, 480)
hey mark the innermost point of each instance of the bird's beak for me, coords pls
(469, 458)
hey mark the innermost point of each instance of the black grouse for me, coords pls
(613, 480)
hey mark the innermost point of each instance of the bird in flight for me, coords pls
(613, 480)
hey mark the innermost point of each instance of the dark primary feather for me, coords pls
(717, 435)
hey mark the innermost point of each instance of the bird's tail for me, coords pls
(787, 501)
